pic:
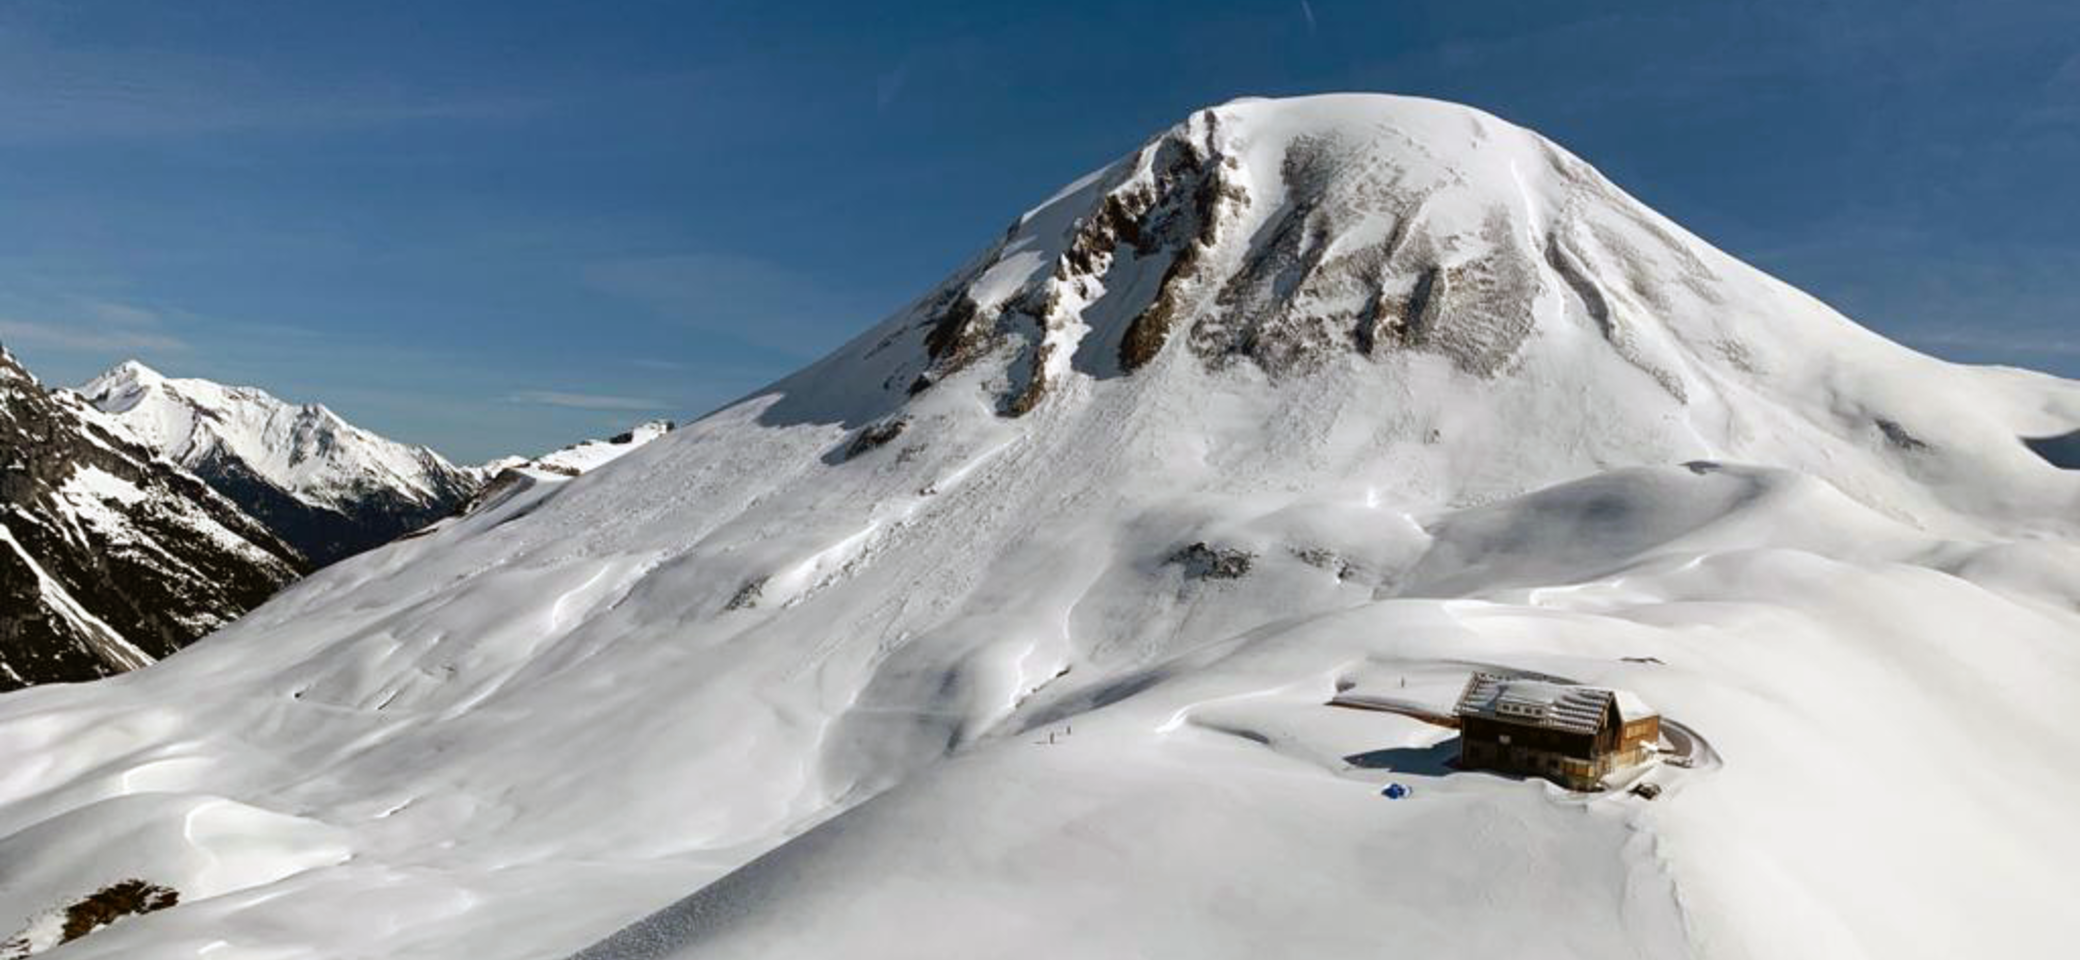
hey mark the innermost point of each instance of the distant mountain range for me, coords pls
(111, 557)
(327, 487)
(143, 511)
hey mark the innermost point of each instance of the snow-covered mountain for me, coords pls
(109, 557)
(329, 488)
(1008, 628)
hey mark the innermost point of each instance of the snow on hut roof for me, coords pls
(1631, 707)
(1545, 703)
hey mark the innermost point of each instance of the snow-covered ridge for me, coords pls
(584, 456)
(1013, 622)
(331, 488)
(305, 449)
(535, 480)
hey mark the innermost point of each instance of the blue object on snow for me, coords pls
(1395, 791)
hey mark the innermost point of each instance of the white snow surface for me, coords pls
(762, 694)
(304, 449)
(584, 456)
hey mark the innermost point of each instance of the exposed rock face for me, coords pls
(328, 488)
(1203, 562)
(110, 558)
(1161, 210)
(112, 903)
(875, 436)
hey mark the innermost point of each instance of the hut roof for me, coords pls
(1544, 703)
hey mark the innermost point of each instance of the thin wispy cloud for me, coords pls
(120, 314)
(74, 336)
(649, 363)
(1307, 11)
(746, 299)
(583, 401)
(56, 92)
(2057, 105)
(87, 324)
(889, 86)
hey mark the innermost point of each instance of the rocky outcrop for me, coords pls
(1163, 210)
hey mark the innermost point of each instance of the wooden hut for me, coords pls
(1570, 734)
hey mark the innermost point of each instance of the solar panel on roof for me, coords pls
(1543, 703)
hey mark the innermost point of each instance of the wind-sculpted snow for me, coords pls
(759, 688)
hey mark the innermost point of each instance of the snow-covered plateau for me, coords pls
(919, 652)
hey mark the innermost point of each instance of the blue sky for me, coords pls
(502, 226)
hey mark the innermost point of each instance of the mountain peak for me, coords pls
(1524, 318)
(331, 487)
(11, 367)
(1283, 233)
(133, 370)
(121, 387)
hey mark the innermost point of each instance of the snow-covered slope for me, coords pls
(584, 456)
(1008, 628)
(110, 557)
(522, 477)
(329, 488)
